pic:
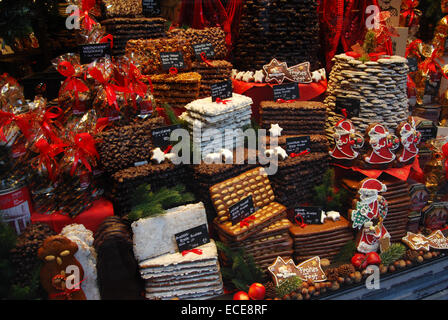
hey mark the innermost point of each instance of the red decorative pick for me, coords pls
(294, 155)
(84, 146)
(302, 223)
(284, 101)
(71, 83)
(168, 149)
(173, 70)
(219, 100)
(204, 58)
(108, 38)
(245, 221)
(196, 251)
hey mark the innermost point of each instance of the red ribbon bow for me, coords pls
(245, 221)
(294, 155)
(23, 121)
(430, 64)
(47, 124)
(302, 223)
(84, 146)
(445, 157)
(196, 251)
(86, 6)
(67, 293)
(219, 100)
(71, 83)
(410, 11)
(108, 38)
(47, 154)
(109, 87)
(204, 58)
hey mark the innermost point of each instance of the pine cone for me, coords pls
(411, 255)
(332, 274)
(270, 290)
(345, 270)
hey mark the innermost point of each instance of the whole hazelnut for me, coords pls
(305, 285)
(341, 280)
(392, 268)
(420, 259)
(317, 286)
(335, 286)
(402, 264)
(348, 281)
(311, 289)
(408, 263)
(427, 255)
(304, 291)
(299, 296)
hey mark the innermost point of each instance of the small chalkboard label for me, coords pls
(241, 210)
(150, 8)
(428, 132)
(310, 215)
(172, 59)
(287, 91)
(192, 238)
(412, 64)
(221, 90)
(161, 136)
(206, 47)
(297, 144)
(352, 106)
(90, 52)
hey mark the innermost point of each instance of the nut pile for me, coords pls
(214, 35)
(121, 8)
(24, 255)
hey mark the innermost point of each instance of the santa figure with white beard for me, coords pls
(346, 140)
(382, 143)
(368, 215)
(409, 138)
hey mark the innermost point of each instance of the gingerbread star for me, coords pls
(281, 270)
(275, 70)
(416, 241)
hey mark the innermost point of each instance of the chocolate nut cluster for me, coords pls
(121, 8)
(214, 35)
(146, 53)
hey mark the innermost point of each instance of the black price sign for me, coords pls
(412, 64)
(297, 144)
(287, 91)
(352, 106)
(428, 133)
(310, 215)
(150, 8)
(206, 47)
(192, 238)
(241, 210)
(90, 52)
(172, 59)
(161, 136)
(221, 90)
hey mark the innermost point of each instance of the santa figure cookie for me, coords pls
(368, 215)
(346, 141)
(409, 140)
(381, 145)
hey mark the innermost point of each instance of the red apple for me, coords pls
(359, 261)
(241, 295)
(257, 291)
(373, 258)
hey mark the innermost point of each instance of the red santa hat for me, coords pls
(379, 129)
(373, 184)
(346, 126)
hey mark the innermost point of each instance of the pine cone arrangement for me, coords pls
(332, 274)
(411, 255)
(270, 290)
(345, 270)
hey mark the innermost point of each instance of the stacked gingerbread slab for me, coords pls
(398, 203)
(323, 240)
(299, 117)
(212, 72)
(125, 29)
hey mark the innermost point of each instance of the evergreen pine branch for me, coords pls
(392, 254)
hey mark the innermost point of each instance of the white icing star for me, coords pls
(269, 153)
(276, 130)
(212, 158)
(333, 215)
(226, 154)
(323, 73)
(323, 216)
(259, 76)
(248, 76)
(316, 76)
(158, 155)
(234, 73)
(171, 156)
(281, 152)
(239, 75)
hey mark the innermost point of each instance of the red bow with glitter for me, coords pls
(84, 146)
(86, 6)
(196, 251)
(431, 65)
(245, 221)
(47, 154)
(173, 70)
(411, 11)
(23, 122)
(71, 83)
(109, 87)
